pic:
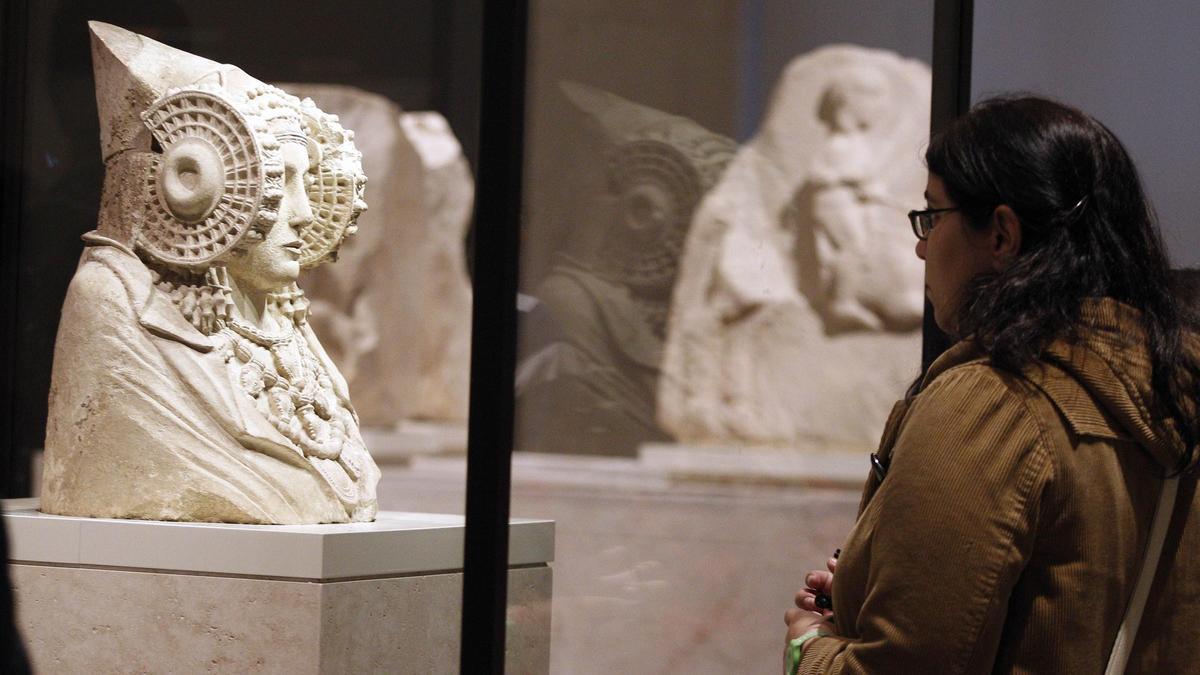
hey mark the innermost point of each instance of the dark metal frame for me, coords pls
(953, 26)
(494, 335)
(14, 463)
(14, 18)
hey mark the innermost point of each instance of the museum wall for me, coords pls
(1132, 65)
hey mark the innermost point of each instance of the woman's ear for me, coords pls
(1006, 236)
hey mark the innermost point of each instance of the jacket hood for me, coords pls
(1109, 360)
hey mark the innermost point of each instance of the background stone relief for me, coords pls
(796, 318)
(704, 299)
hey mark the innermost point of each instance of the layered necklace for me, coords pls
(295, 392)
(279, 371)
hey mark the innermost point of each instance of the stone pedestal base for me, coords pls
(379, 597)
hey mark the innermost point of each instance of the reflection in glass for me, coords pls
(592, 348)
(397, 312)
(685, 427)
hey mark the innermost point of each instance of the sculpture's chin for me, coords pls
(282, 274)
(278, 281)
(291, 275)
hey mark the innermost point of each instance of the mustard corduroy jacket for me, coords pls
(1008, 531)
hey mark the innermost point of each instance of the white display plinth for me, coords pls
(104, 595)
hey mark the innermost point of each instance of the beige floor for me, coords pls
(654, 575)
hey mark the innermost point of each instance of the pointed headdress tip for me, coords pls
(132, 72)
(121, 44)
(109, 32)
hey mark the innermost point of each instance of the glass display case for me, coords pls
(686, 185)
(719, 305)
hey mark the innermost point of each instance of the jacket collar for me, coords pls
(1111, 360)
(1099, 381)
(959, 354)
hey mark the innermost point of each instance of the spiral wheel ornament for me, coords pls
(206, 189)
(658, 189)
(336, 190)
(331, 196)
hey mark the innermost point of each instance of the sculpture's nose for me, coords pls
(302, 215)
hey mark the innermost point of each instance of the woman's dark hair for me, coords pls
(1087, 231)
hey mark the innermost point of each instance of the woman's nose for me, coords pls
(921, 246)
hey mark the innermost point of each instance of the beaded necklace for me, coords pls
(291, 387)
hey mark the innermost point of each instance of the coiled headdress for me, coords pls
(192, 156)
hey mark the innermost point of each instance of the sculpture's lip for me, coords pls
(294, 247)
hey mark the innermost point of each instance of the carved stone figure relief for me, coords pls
(592, 349)
(796, 316)
(188, 383)
(405, 274)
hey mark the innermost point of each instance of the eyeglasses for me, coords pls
(922, 221)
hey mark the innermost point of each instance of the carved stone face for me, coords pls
(273, 263)
(855, 102)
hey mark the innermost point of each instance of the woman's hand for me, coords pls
(800, 622)
(807, 615)
(817, 582)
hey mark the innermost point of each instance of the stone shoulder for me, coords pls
(97, 281)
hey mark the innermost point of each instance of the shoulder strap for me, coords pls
(1141, 590)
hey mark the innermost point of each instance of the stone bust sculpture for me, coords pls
(187, 384)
